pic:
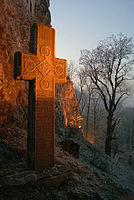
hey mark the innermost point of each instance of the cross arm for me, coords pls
(25, 65)
(60, 70)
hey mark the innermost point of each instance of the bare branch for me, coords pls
(108, 66)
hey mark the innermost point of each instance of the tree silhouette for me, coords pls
(109, 67)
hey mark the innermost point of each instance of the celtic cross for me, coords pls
(42, 70)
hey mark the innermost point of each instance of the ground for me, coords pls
(70, 178)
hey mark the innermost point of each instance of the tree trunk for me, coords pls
(109, 134)
(94, 123)
(87, 120)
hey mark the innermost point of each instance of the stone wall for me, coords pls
(15, 23)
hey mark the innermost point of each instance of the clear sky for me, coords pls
(81, 24)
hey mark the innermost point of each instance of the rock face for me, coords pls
(69, 105)
(15, 23)
(67, 118)
(42, 12)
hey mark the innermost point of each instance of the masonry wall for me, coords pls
(15, 23)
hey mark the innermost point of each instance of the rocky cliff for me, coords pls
(15, 23)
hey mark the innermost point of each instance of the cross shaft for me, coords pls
(42, 70)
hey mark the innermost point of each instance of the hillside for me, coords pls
(81, 172)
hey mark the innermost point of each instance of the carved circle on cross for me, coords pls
(59, 69)
(44, 84)
(29, 65)
(45, 51)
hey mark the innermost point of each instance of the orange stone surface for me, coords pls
(42, 70)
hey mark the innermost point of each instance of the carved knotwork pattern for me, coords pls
(44, 84)
(43, 67)
(45, 51)
(29, 65)
(59, 69)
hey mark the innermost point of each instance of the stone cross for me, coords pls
(42, 70)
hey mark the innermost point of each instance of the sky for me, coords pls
(81, 24)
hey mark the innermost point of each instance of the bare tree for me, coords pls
(96, 113)
(90, 91)
(81, 86)
(88, 101)
(108, 67)
(71, 68)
